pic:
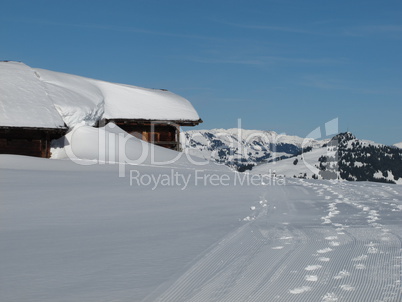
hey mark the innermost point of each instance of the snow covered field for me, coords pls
(81, 233)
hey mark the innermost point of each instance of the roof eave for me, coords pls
(142, 121)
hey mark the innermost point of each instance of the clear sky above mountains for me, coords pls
(288, 66)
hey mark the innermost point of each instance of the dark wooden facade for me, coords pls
(32, 141)
(28, 141)
(162, 133)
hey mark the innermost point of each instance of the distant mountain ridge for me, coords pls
(342, 157)
(363, 160)
(243, 149)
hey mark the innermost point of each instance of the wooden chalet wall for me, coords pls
(161, 133)
(28, 141)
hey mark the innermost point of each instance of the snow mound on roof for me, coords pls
(80, 99)
(124, 101)
(42, 98)
(76, 98)
(23, 99)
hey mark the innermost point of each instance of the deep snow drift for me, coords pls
(70, 232)
(111, 144)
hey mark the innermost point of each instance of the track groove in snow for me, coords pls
(338, 261)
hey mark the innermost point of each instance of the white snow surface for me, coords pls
(23, 99)
(307, 163)
(75, 232)
(399, 145)
(80, 100)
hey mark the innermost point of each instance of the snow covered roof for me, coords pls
(23, 99)
(80, 100)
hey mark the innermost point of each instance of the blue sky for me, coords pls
(282, 65)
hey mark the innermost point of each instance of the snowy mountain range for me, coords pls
(342, 157)
(243, 149)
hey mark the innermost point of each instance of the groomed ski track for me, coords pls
(340, 243)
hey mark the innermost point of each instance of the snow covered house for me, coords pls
(37, 106)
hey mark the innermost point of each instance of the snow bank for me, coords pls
(87, 145)
(23, 99)
(110, 144)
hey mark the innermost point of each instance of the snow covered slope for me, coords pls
(399, 145)
(30, 97)
(241, 148)
(70, 232)
(305, 165)
(23, 99)
(344, 157)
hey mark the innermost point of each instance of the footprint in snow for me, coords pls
(360, 258)
(360, 266)
(300, 290)
(372, 250)
(329, 297)
(312, 278)
(347, 287)
(323, 251)
(313, 267)
(342, 274)
(326, 220)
